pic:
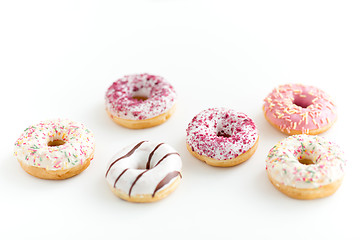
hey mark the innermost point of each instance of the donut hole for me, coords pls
(140, 98)
(303, 100)
(140, 94)
(224, 128)
(306, 161)
(140, 167)
(222, 133)
(56, 143)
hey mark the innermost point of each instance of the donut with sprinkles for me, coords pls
(144, 172)
(306, 167)
(299, 109)
(55, 149)
(222, 137)
(140, 101)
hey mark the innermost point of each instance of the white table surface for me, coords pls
(58, 59)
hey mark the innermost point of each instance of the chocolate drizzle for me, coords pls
(117, 179)
(166, 180)
(125, 156)
(166, 157)
(151, 155)
(136, 179)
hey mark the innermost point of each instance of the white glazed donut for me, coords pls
(55, 149)
(140, 101)
(222, 137)
(144, 172)
(306, 167)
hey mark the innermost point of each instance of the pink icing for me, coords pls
(299, 107)
(221, 133)
(120, 99)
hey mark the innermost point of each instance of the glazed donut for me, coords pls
(222, 137)
(144, 172)
(55, 149)
(299, 109)
(140, 101)
(306, 167)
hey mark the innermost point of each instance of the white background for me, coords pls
(58, 58)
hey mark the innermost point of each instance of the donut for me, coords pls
(55, 149)
(299, 109)
(144, 172)
(222, 137)
(306, 167)
(140, 101)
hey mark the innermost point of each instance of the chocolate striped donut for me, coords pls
(144, 172)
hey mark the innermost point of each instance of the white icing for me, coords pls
(136, 164)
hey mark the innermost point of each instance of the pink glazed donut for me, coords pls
(298, 109)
